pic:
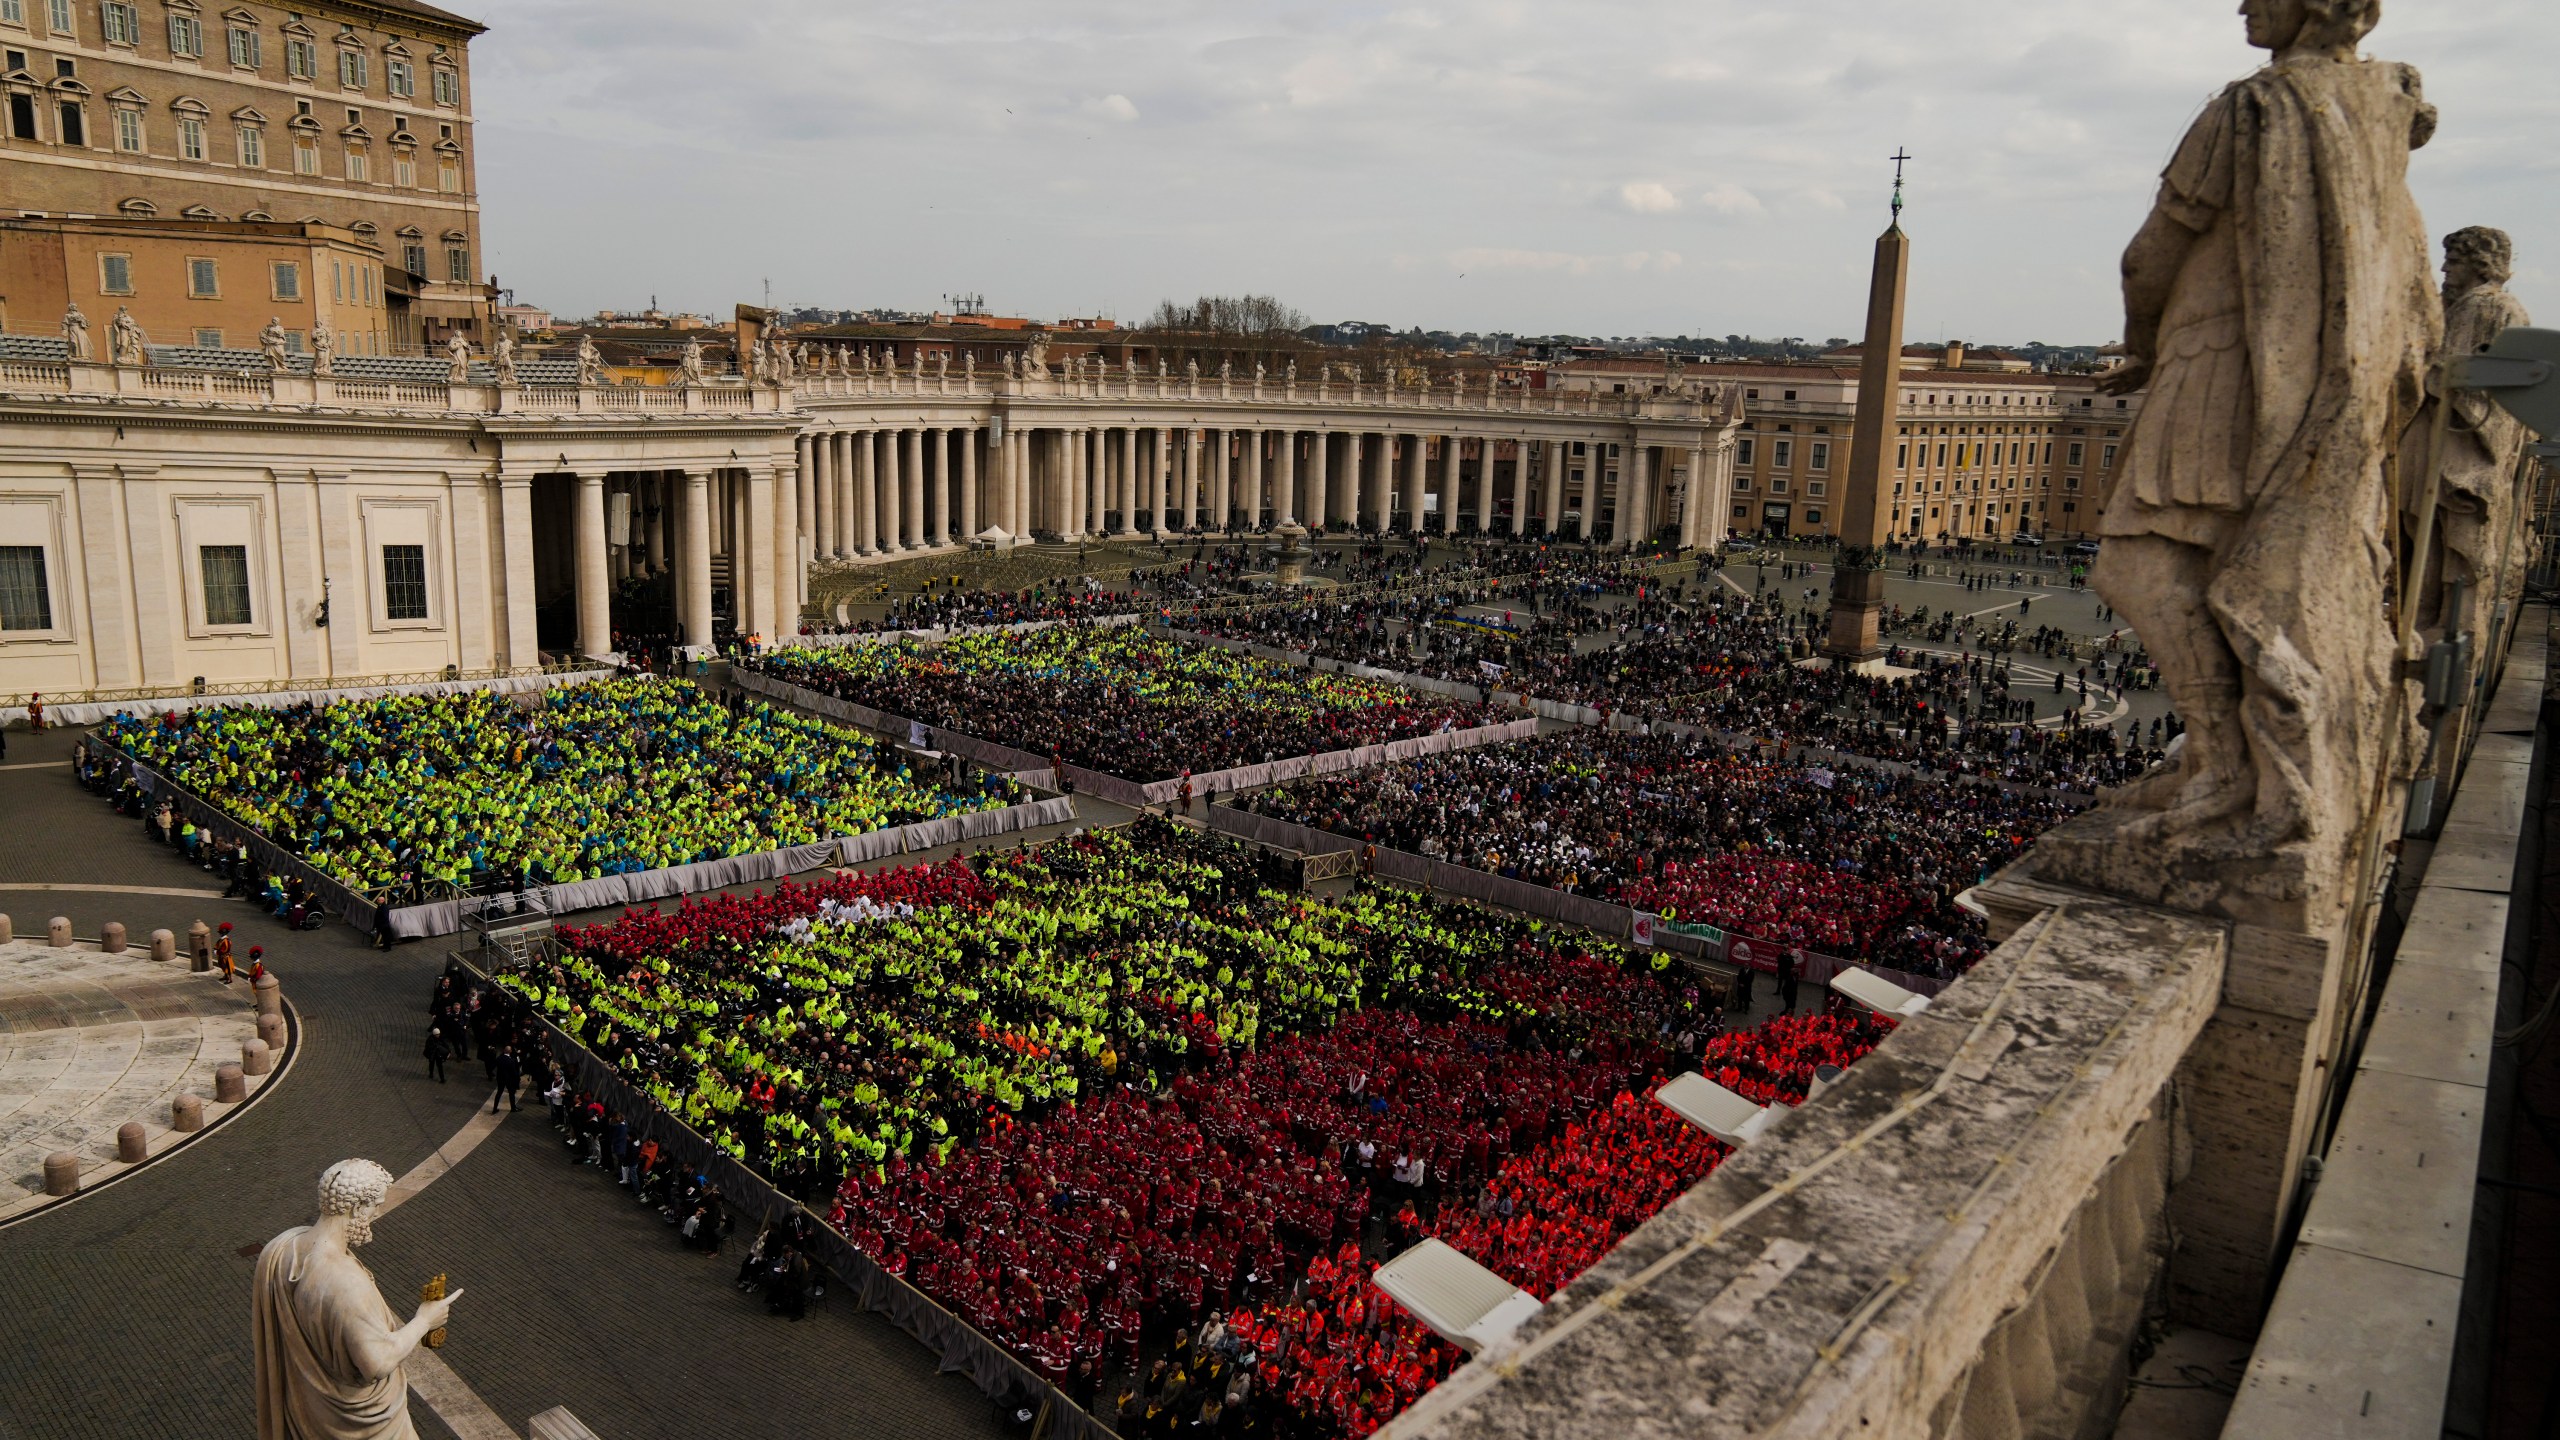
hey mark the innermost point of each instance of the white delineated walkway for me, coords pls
(89, 1041)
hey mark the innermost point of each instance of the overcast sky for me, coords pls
(1595, 166)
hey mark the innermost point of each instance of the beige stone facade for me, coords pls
(161, 526)
(213, 284)
(1979, 454)
(354, 114)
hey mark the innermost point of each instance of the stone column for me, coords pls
(757, 574)
(515, 503)
(595, 585)
(937, 527)
(1449, 454)
(1417, 465)
(694, 539)
(1520, 486)
(1319, 481)
(1126, 490)
(866, 492)
(1635, 497)
(1555, 487)
(1484, 485)
(822, 481)
(653, 534)
(892, 500)
(1022, 482)
(1151, 482)
(1249, 476)
(1355, 481)
(970, 444)
(1694, 499)
(1191, 477)
(1221, 481)
(1096, 477)
(1284, 479)
(911, 491)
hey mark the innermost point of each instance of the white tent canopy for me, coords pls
(1466, 1304)
(1879, 994)
(1712, 1108)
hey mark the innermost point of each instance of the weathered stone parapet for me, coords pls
(1852, 1271)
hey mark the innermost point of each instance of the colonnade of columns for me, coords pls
(899, 489)
(733, 528)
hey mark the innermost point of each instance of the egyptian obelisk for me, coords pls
(1865, 514)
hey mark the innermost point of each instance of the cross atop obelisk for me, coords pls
(1866, 514)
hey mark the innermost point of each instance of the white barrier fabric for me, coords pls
(90, 713)
(1598, 916)
(1131, 793)
(447, 917)
(937, 634)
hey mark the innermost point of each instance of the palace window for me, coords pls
(204, 279)
(253, 148)
(306, 155)
(457, 264)
(246, 47)
(115, 274)
(1782, 454)
(1821, 458)
(301, 57)
(2106, 457)
(2076, 451)
(15, 12)
(449, 176)
(22, 117)
(26, 602)
(287, 276)
(128, 130)
(57, 15)
(400, 78)
(359, 163)
(404, 582)
(190, 138)
(226, 583)
(413, 258)
(186, 36)
(1742, 449)
(1902, 456)
(404, 170)
(448, 85)
(353, 69)
(208, 339)
(119, 23)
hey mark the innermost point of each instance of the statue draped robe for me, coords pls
(2292, 348)
(306, 1319)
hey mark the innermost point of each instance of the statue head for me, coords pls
(2316, 25)
(354, 1189)
(2477, 255)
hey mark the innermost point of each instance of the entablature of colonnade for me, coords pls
(1112, 412)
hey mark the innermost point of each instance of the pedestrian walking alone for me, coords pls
(437, 1053)
(505, 1071)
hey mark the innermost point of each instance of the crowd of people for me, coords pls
(1145, 1114)
(1119, 700)
(1843, 859)
(398, 794)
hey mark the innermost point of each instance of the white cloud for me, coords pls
(1648, 197)
(883, 154)
(1727, 198)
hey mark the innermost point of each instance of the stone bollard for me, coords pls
(111, 937)
(164, 946)
(199, 947)
(255, 1057)
(8, 931)
(230, 1087)
(186, 1114)
(271, 1030)
(61, 1173)
(57, 932)
(270, 995)
(133, 1143)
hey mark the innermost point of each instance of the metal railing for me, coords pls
(217, 689)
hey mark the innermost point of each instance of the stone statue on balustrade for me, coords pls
(502, 357)
(126, 344)
(782, 368)
(2280, 312)
(75, 334)
(942, 368)
(1289, 375)
(1035, 356)
(2479, 530)
(271, 343)
(969, 368)
(328, 1351)
(690, 371)
(751, 362)
(1191, 369)
(1226, 368)
(915, 362)
(1129, 367)
(457, 360)
(324, 351)
(590, 360)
